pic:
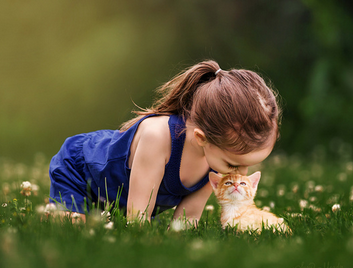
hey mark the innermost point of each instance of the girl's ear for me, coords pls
(200, 137)
(255, 178)
(214, 179)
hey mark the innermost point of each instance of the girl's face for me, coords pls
(226, 162)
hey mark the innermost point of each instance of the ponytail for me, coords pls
(177, 94)
(235, 109)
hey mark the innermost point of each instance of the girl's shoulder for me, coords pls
(153, 135)
(155, 125)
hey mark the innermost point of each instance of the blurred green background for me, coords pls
(68, 67)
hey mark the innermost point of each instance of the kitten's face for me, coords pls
(234, 187)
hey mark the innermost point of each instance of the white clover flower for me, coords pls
(75, 215)
(177, 225)
(336, 208)
(110, 239)
(109, 226)
(272, 204)
(35, 189)
(303, 203)
(313, 199)
(50, 208)
(105, 215)
(266, 208)
(6, 188)
(319, 188)
(295, 188)
(209, 208)
(26, 185)
(281, 190)
(262, 192)
(40, 209)
(342, 177)
(4, 205)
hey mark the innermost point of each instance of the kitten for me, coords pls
(235, 194)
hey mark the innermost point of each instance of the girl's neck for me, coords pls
(193, 165)
(190, 139)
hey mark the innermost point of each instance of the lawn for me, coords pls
(315, 197)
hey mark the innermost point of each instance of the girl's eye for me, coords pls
(243, 183)
(228, 183)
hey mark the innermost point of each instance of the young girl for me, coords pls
(207, 119)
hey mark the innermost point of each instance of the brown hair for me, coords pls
(235, 109)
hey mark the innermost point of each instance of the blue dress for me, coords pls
(87, 163)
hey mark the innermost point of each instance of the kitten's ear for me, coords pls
(255, 178)
(214, 179)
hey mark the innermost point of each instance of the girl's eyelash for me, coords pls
(232, 167)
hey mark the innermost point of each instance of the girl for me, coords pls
(207, 119)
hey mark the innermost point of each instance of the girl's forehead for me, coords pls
(248, 159)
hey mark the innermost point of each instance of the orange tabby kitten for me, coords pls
(235, 194)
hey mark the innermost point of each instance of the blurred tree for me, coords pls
(69, 67)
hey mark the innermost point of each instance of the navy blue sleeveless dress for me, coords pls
(87, 163)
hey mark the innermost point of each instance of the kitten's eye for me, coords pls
(243, 183)
(228, 183)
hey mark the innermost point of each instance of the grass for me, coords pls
(303, 192)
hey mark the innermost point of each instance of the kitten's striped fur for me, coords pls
(235, 194)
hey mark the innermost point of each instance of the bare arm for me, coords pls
(192, 205)
(146, 173)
